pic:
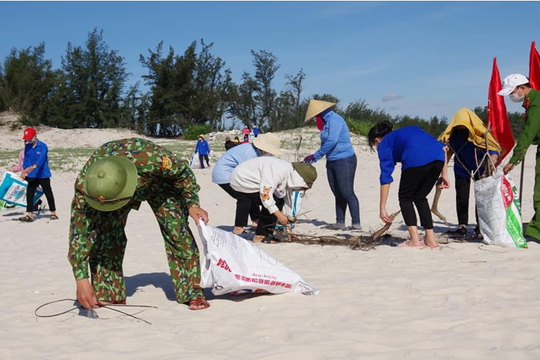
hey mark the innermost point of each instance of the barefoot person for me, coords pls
(267, 181)
(422, 160)
(116, 179)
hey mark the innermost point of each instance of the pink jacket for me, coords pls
(19, 167)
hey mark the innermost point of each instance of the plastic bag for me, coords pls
(499, 212)
(232, 265)
(13, 190)
(195, 162)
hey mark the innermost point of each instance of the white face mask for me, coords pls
(516, 98)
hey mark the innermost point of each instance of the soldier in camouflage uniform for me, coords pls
(97, 237)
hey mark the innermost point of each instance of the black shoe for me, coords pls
(477, 234)
(529, 238)
(458, 233)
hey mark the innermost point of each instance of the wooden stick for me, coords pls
(521, 183)
(434, 206)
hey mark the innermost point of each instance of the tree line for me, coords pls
(193, 88)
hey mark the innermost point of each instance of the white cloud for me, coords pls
(391, 97)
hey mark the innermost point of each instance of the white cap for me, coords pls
(511, 82)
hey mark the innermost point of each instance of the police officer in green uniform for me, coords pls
(116, 179)
(519, 90)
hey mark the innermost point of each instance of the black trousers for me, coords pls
(244, 206)
(205, 157)
(33, 183)
(463, 189)
(415, 185)
(267, 221)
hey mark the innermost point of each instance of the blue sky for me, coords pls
(414, 58)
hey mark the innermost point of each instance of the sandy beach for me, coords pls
(464, 301)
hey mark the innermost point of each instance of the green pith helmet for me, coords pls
(110, 183)
(306, 171)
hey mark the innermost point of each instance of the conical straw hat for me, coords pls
(268, 142)
(316, 107)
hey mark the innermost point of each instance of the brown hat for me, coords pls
(269, 143)
(316, 107)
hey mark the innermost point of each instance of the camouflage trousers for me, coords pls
(107, 255)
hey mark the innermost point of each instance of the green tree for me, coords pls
(27, 83)
(186, 90)
(94, 78)
(244, 105)
(289, 108)
(255, 100)
(359, 110)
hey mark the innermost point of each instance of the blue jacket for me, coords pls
(411, 146)
(230, 160)
(37, 155)
(467, 156)
(202, 147)
(335, 140)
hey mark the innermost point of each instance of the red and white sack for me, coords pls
(499, 212)
(232, 265)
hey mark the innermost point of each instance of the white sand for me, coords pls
(466, 301)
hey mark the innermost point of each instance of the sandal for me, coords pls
(54, 217)
(461, 232)
(26, 218)
(273, 239)
(198, 301)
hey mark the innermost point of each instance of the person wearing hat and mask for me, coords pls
(267, 144)
(340, 160)
(518, 88)
(115, 180)
(37, 173)
(203, 149)
(268, 180)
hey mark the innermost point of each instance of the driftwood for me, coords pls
(385, 227)
(434, 206)
(360, 242)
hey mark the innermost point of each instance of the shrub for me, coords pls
(359, 127)
(193, 132)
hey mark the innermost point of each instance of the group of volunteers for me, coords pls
(203, 148)
(121, 174)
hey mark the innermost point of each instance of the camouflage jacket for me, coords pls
(160, 173)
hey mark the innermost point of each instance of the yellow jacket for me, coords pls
(477, 130)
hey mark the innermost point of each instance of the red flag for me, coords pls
(534, 68)
(497, 116)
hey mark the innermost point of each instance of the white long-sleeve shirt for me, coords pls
(267, 176)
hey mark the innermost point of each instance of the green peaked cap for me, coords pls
(306, 171)
(110, 183)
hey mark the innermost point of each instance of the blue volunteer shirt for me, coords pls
(230, 160)
(411, 146)
(467, 156)
(335, 140)
(202, 147)
(37, 155)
